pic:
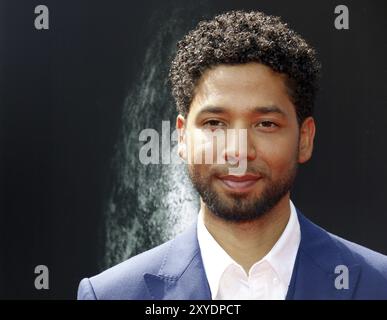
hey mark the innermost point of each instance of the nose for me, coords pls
(239, 146)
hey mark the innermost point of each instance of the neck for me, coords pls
(248, 242)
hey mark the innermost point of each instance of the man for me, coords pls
(246, 72)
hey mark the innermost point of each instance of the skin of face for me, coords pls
(255, 98)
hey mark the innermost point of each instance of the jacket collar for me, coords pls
(182, 276)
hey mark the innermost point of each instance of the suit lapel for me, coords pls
(181, 275)
(314, 271)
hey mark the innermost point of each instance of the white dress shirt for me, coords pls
(268, 278)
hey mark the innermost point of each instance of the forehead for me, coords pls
(241, 88)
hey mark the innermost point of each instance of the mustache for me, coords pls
(253, 170)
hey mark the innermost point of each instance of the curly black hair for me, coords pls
(237, 37)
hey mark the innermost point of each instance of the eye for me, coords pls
(266, 124)
(214, 123)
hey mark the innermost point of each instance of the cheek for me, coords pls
(194, 148)
(206, 148)
(200, 174)
(279, 154)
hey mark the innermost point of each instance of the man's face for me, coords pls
(254, 98)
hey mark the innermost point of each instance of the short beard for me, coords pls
(243, 209)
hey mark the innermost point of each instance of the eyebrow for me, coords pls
(260, 109)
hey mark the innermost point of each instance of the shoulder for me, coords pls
(364, 256)
(317, 238)
(373, 267)
(367, 268)
(125, 280)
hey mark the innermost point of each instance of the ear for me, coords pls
(307, 133)
(182, 143)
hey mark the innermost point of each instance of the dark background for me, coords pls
(61, 99)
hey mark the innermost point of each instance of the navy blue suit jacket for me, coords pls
(174, 270)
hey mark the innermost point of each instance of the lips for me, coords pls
(239, 183)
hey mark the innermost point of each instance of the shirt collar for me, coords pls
(281, 257)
